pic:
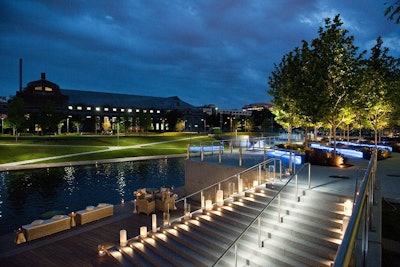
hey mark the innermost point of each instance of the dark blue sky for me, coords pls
(204, 51)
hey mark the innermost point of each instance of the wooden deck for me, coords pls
(78, 246)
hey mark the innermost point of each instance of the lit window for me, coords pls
(158, 112)
(48, 89)
(70, 107)
(151, 111)
(137, 110)
(122, 109)
(88, 108)
(97, 109)
(115, 109)
(88, 117)
(144, 111)
(105, 109)
(79, 108)
(129, 110)
(38, 88)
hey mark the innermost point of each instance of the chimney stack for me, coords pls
(20, 74)
(43, 75)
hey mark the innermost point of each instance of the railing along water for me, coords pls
(257, 219)
(360, 217)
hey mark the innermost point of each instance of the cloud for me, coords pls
(219, 52)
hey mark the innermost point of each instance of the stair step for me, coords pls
(315, 227)
(208, 238)
(221, 226)
(199, 242)
(251, 254)
(123, 260)
(317, 248)
(174, 257)
(154, 258)
(192, 244)
(189, 254)
(305, 234)
(295, 254)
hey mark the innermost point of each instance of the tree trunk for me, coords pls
(306, 137)
(289, 135)
(315, 133)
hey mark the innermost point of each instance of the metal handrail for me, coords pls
(362, 204)
(258, 217)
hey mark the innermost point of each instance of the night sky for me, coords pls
(203, 51)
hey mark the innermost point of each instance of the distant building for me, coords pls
(257, 106)
(92, 109)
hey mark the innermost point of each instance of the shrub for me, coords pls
(324, 158)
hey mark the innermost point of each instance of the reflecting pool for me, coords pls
(39, 194)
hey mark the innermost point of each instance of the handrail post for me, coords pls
(279, 208)
(236, 257)
(220, 154)
(297, 189)
(259, 174)
(240, 156)
(202, 199)
(309, 176)
(259, 232)
(202, 152)
(280, 168)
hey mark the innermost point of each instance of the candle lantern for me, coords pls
(220, 198)
(154, 223)
(208, 204)
(143, 231)
(123, 238)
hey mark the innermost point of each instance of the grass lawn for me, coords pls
(33, 147)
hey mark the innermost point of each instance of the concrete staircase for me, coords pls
(306, 232)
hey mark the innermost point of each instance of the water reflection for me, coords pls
(33, 194)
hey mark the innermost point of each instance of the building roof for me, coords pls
(89, 98)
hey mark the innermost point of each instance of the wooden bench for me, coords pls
(41, 228)
(94, 213)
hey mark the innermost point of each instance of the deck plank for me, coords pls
(78, 246)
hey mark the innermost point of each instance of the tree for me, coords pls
(144, 121)
(77, 125)
(106, 126)
(249, 124)
(392, 12)
(377, 98)
(180, 125)
(48, 118)
(127, 121)
(16, 115)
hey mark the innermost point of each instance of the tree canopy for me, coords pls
(327, 81)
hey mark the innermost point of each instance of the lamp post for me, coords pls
(118, 133)
(205, 124)
(2, 125)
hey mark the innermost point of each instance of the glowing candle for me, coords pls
(143, 231)
(208, 204)
(154, 223)
(122, 238)
(240, 186)
(219, 199)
